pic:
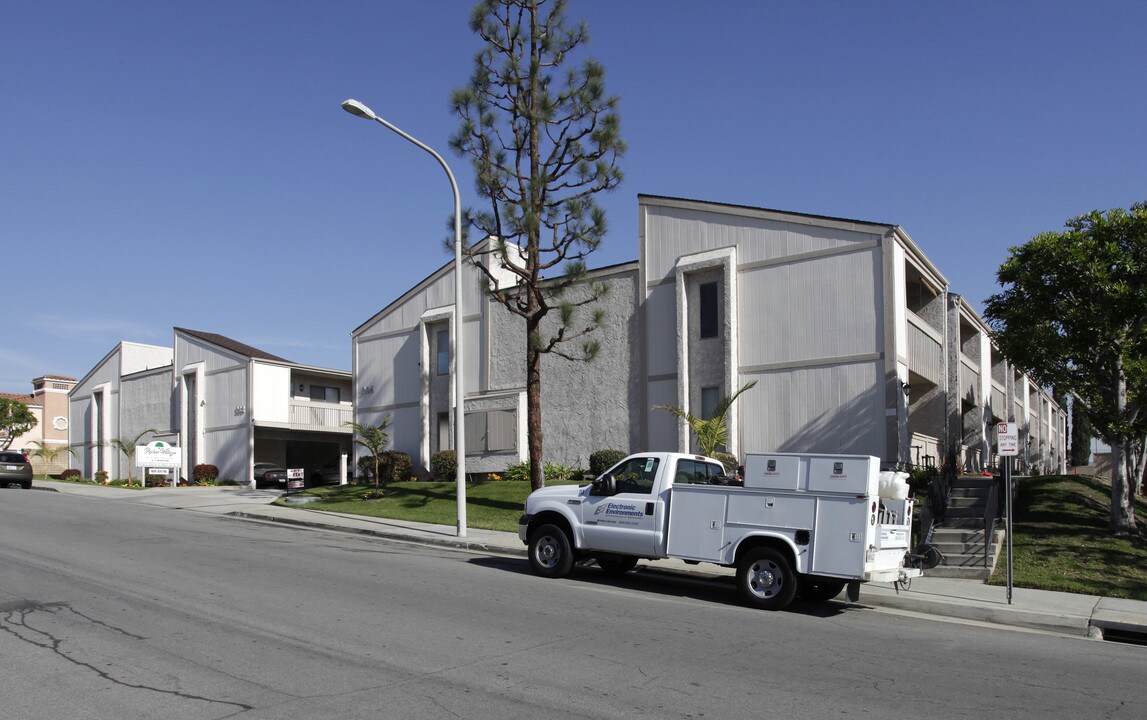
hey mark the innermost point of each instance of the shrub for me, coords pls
(519, 472)
(71, 474)
(101, 476)
(204, 473)
(156, 481)
(602, 460)
(397, 467)
(443, 466)
(365, 468)
(556, 472)
(920, 477)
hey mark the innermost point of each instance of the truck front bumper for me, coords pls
(523, 528)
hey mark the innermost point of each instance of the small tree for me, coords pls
(374, 438)
(15, 420)
(127, 448)
(50, 454)
(712, 433)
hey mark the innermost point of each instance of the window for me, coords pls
(491, 431)
(444, 431)
(322, 393)
(710, 399)
(710, 310)
(694, 472)
(442, 341)
(636, 475)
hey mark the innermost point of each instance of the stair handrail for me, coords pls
(935, 506)
(991, 514)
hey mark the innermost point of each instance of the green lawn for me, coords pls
(1060, 526)
(1062, 540)
(493, 505)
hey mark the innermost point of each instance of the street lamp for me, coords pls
(354, 107)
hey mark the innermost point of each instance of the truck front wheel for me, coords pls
(550, 552)
(765, 579)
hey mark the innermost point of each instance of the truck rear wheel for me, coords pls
(616, 564)
(550, 552)
(765, 579)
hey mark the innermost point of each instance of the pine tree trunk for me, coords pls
(534, 417)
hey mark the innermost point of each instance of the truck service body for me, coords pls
(806, 525)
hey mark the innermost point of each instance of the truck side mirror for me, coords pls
(605, 485)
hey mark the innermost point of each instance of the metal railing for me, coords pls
(323, 416)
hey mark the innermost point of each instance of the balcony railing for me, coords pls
(320, 416)
(925, 349)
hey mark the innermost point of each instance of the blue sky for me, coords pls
(187, 164)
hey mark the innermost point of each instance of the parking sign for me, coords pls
(1008, 437)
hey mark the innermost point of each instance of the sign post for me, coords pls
(1008, 440)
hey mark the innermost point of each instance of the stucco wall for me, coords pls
(585, 406)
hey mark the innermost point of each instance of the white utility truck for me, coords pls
(801, 525)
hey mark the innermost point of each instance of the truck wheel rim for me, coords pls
(547, 552)
(764, 580)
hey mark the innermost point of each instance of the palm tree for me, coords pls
(374, 438)
(127, 447)
(712, 433)
(50, 454)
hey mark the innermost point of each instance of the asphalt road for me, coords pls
(117, 609)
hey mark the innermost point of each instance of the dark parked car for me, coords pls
(270, 475)
(15, 469)
(328, 474)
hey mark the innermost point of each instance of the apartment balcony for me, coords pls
(314, 415)
(925, 349)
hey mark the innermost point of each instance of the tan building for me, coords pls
(49, 404)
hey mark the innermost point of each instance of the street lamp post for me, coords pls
(354, 107)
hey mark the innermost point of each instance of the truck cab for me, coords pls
(625, 511)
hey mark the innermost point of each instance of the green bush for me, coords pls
(71, 475)
(603, 460)
(920, 477)
(443, 466)
(397, 466)
(519, 472)
(101, 477)
(556, 472)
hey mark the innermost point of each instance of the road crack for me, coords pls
(15, 621)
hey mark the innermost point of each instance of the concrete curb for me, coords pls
(448, 542)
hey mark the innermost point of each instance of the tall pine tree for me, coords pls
(544, 138)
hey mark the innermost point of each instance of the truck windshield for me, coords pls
(636, 475)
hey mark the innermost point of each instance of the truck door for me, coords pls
(626, 521)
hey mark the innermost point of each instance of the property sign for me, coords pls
(158, 454)
(1008, 437)
(295, 479)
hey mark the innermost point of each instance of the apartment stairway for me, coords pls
(961, 538)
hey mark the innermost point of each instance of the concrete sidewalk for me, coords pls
(1067, 613)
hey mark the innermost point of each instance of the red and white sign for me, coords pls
(295, 478)
(1008, 437)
